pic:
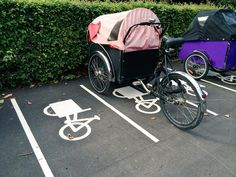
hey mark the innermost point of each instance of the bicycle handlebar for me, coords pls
(157, 25)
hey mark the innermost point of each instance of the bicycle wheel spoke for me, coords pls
(183, 113)
(95, 63)
(99, 83)
(98, 73)
(93, 66)
(192, 111)
(183, 109)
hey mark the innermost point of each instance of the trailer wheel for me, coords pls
(196, 65)
(98, 73)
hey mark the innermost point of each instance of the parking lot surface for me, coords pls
(112, 138)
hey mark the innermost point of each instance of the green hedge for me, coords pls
(225, 3)
(45, 40)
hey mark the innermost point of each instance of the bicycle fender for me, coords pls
(107, 63)
(95, 47)
(196, 85)
(193, 81)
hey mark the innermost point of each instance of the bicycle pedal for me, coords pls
(136, 83)
(149, 86)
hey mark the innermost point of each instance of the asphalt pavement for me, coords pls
(111, 138)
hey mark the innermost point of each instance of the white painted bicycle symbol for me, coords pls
(146, 106)
(74, 129)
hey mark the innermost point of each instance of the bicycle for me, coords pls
(109, 64)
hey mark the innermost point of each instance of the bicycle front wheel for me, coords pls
(182, 109)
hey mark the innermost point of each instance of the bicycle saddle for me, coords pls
(173, 42)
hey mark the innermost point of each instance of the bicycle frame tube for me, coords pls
(193, 81)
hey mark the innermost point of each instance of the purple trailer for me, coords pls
(210, 43)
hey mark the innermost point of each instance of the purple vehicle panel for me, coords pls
(231, 59)
(221, 54)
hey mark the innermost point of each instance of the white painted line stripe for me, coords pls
(209, 111)
(221, 86)
(145, 132)
(37, 151)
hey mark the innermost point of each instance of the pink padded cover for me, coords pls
(140, 38)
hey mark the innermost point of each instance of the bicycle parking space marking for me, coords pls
(141, 103)
(69, 109)
(132, 93)
(221, 86)
(141, 129)
(37, 151)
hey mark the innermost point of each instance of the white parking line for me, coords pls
(145, 132)
(195, 105)
(221, 86)
(37, 151)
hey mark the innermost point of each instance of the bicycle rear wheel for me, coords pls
(181, 109)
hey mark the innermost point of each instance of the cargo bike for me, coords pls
(124, 48)
(210, 45)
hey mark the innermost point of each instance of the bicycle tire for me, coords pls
(177, 106)
(98, 73)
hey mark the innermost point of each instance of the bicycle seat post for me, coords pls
(171, 45)
(167, 60)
